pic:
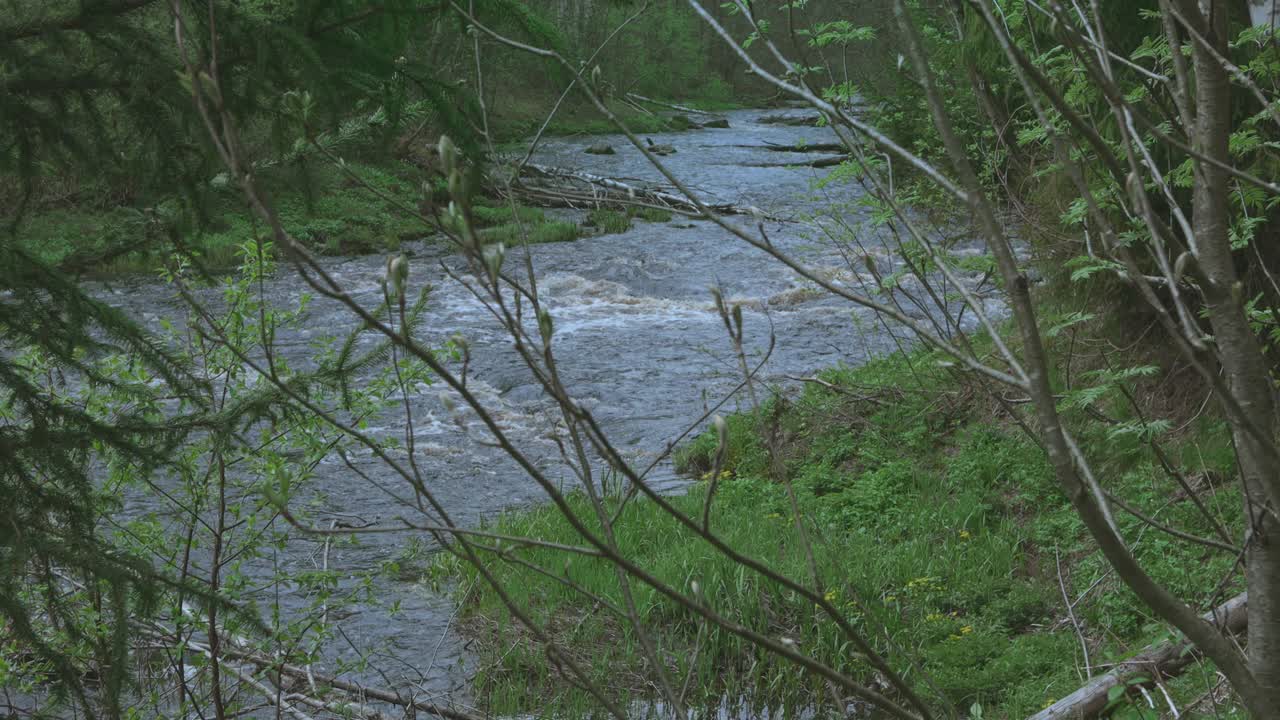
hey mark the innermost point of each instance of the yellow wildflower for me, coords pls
(964, 535)
(926, 584)
(829, 596)
(966, 629)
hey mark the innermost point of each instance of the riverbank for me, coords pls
(935, 522)
(318, 203)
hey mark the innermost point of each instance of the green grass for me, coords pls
(327, 210)
(518, 117)
(323, 208)
(488, 213)
(332, 213)
(546, 231)
(609, 221)
(497, 221)
(935, 526)
(650, 214)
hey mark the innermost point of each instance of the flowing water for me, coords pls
(638, 340)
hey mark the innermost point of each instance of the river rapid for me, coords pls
(638, 341)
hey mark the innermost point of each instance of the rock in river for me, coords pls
(660, 149)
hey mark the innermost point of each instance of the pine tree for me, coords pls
(92, 107)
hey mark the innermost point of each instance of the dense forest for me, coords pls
(570, 358)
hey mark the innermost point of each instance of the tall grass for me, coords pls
(938, 528)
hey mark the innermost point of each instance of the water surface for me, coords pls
(638, 342)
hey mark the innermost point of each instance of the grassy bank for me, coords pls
(330, 212)
(520, 114)
(322, 206)
(935, 522)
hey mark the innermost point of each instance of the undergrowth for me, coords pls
(324, 208)
(331, 213)
(522, 114)
(319, 205)
(936, 525)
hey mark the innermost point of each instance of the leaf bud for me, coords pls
(493, 256)
(397, 274)
(545, 326)
(448, 153)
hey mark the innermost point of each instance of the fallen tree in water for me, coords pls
(560, 187)
(824, 147)
(637, 98)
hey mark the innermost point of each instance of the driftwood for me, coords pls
(574, 188)
(804, 148)
(826, 162)
(640, 98)
(1164, 659)
(631, 103)
(794, 120)
(823, 162)
(327, 692)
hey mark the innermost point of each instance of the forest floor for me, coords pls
(330, 210)
(934, 521)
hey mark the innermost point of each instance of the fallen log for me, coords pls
(637, 107)
(827, 161)
(805, 148)
(793, 120)
(1164, 659)
(559, 198)
(822, 162)
(351, 695)
(606, 190)
(672, 106)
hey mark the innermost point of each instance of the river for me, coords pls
(638, 341)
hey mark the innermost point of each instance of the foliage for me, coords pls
(100, 131)
(934, 527)
(52, 439)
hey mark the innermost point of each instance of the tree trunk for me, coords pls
(1243, 364)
